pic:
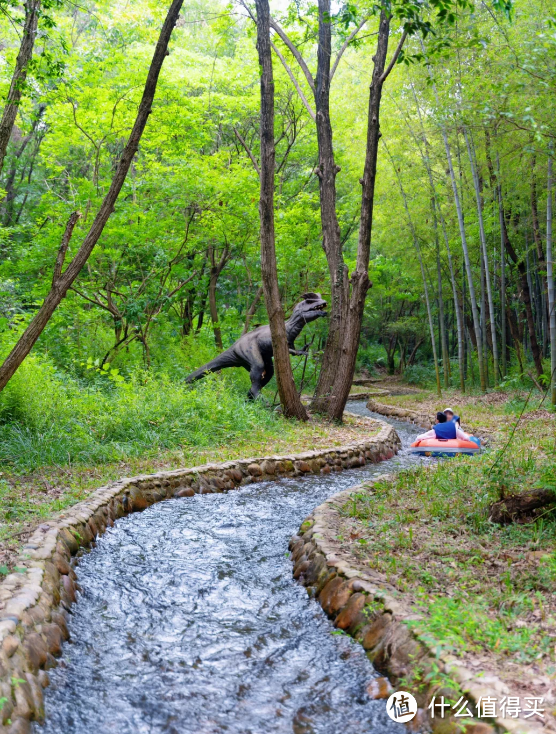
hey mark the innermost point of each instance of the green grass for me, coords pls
(480, 587)
(52, 419)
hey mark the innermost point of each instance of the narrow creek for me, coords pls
(189, 622)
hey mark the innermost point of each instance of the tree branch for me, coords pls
(72, 221)
(346, 43)
(394, 58)
(248, 151)
(298, 57)
(286, 66)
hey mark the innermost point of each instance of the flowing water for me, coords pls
(190, 622)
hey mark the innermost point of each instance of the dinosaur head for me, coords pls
(310, 308)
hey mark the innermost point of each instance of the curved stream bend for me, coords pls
(190, 623)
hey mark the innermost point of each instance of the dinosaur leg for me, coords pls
(268, 373)
(257, 374)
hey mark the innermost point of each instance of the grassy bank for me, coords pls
(485, 591)
(60, 437)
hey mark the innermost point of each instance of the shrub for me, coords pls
(50, 418)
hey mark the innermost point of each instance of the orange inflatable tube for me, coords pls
(444, 447)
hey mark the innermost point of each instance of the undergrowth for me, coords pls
(50, 418)
(479, 586)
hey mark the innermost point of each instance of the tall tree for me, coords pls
(289, 398)
(19, 76)
(61, 282)
(550, 279)
(475, 174)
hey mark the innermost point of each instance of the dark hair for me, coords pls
(440, 417)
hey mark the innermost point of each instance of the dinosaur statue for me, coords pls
(253, 350)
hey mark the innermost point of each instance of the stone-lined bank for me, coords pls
(36, 598)
(363, 605)
(420, 418)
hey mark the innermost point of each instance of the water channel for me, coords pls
(189, 622)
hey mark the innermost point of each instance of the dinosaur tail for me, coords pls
(215, 365)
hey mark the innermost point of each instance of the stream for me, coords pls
(189, 622)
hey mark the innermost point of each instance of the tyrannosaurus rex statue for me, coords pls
(253, 351)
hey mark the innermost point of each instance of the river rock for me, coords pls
(69, 540)
(10, 645)
(255, 470)
(53, 636)
(268, 467)
(35, 650)
(138, 499)
(184, 492)
(218, 483)
(235, 475)
(302, 466)
(376, 631)
(379, 688)
(59, 619)
(328, 595)
(350, 615)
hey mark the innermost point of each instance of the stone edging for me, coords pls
(373, 612)
(36, 597)
(404, 414)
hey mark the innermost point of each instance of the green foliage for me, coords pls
(50, 418)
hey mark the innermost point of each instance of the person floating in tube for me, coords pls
(445, 429)
(452, 417)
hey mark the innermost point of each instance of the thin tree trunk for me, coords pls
(215, 270)
(360, 282)
(475, 172)
(502, 280)
(252, 309)
(524, 292)
(472, 296)
(423, 276)
(62, 283)
(437, 212)
(32, 9)
(290, 400)
(443, 336)
(541, 263)
(214, 312)
(550, 281)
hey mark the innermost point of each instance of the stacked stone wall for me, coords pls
(36, 598)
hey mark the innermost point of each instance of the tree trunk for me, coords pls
(517, 507)
(290, 400)
(252, 310)
(550, 280)
(11, 189)
(214, 311)
(475, 172)
(360, 282)
(62, 283)
(32, 9)
(423, 275)
(443, 337)
(524, 292)
(502, 275)
(472, 296)
(331, 237)
(215, 269)
(525, 296)
(541, 261)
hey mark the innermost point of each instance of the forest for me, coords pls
(292, 230)
(460, 256)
